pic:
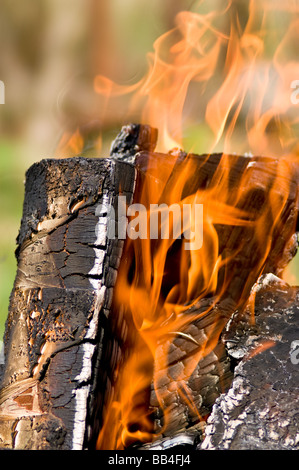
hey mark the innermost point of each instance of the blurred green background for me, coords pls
(51, 51)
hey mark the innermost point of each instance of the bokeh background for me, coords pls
(51, 51)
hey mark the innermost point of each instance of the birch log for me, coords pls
(59, 306)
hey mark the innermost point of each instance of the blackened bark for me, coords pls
(260, 408)
(260, 411)
(133, 138)
(67, 267)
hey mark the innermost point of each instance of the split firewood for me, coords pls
(191, 381)
(59, 305)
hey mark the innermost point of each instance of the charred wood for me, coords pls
(260, 409)
(252, 183)
(59, 305)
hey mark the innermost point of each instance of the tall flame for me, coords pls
(219, 70)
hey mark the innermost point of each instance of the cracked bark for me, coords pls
(260, 411)
(60, 301)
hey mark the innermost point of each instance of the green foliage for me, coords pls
(11, 200)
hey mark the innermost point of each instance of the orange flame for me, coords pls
(160, 311)
(228, 71)
(220, 67)
(202, 54)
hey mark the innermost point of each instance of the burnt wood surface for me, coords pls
(260, 411)
(189, 384)
(252, 182)
(59, 305)
(61, 345)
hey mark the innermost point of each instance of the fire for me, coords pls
(216, 69)
(260, 348)
(158, 284)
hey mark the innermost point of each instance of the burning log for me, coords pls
(193, 368)
(259, 410)
(60, 302)
(188, 385)
(71, 330)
